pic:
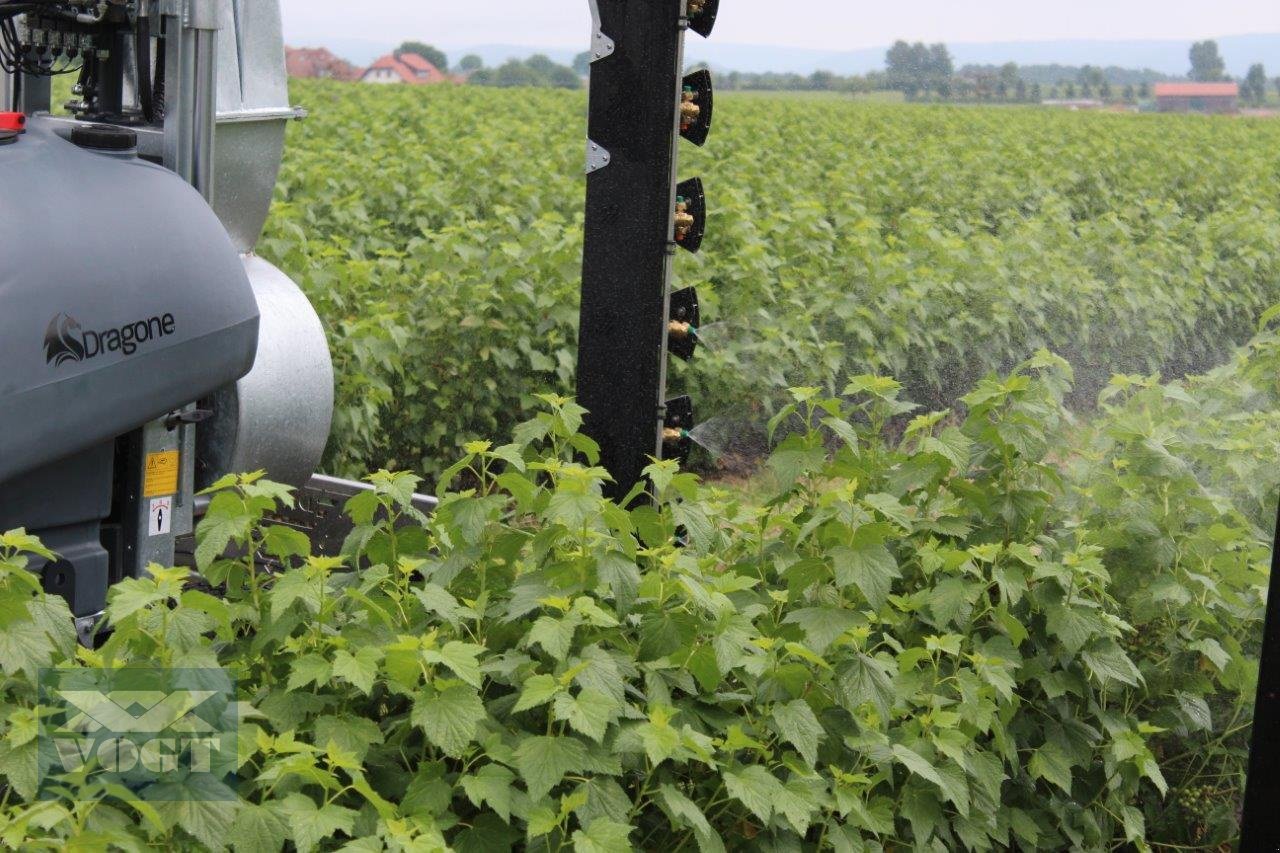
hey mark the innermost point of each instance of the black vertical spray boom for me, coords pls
(1260, 824)
(635, 221)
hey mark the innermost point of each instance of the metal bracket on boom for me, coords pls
(601, 44)
(597, 157)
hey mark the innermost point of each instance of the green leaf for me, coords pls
(1108, 662)
(756, 788)
(25, 648)
(603, 836)
(865, 679)
(52, 616)
(544, 761)
(822, 626)
(351, 734)
(704, 667)
(438, 600)
(664, 633)
(1212, 650)
(892, 509)
(193, 806)
(796, 803)
(308, 669)
(621, 574)
(491, 785)
(954, 786)
(361, 669)
(1073, 625)
(450, 718)
(1052, 764)
(284, 542)
(869, 566)
(554, 635)
(1197, 712)
(226, 519)
(684, 812)
(659, 737)
(537, 690)
(132, 595)
(19, 766)
(294, 586)
(462, 659)
(310, 825)
(1135, 825)
(588, 713)
(800, 727)
(917, 764)
(258, 829)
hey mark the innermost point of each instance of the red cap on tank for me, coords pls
(13, 122)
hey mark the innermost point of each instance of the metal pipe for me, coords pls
(7, 101)
(191, 95)
(205, 111)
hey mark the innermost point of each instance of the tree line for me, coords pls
(921, 72)
(924, 72)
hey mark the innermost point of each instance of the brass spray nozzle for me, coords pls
(689, 111)
(684, 219)
(680, 331)
(673, 436)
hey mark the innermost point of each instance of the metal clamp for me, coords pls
(597, 157)
(601, 44)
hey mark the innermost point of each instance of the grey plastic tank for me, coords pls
(122, 297)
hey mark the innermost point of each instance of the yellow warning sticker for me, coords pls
(161, 476)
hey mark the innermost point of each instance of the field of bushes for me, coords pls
(440, 234)
(998, 585)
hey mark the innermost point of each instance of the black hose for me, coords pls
(157, 88)
(142, 52)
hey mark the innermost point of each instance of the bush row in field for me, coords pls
(952, 639)
(439, 233)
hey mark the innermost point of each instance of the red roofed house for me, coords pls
(1197, 97)
(404, 68)
(319, 62)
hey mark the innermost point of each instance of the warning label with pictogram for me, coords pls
(160, 521)
(161, 474)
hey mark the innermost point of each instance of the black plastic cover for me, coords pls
(699, 82)
(705, 21)
(679, 416)
(684, 309)
(696, 201)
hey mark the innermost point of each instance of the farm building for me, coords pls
(1197, 97)
(404, 68)
(319, 63)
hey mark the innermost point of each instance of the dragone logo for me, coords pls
(65, 340)
(146, 729)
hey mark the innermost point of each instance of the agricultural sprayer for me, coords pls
(147, 351)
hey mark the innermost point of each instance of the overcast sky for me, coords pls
(825, 24)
